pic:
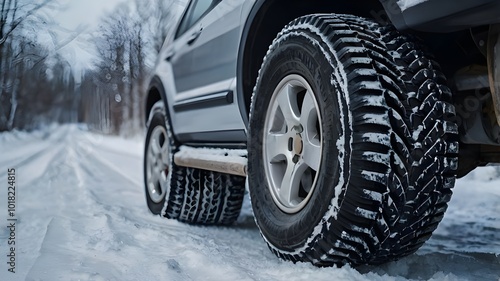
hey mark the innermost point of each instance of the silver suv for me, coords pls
(333, 113)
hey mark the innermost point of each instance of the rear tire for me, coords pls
(382, 123)
(211, 197)
(161, 174)
(186, 194)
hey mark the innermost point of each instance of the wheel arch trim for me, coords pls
(241, 55)
(156, 92)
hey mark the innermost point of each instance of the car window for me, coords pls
(184, 21)
(196, 10)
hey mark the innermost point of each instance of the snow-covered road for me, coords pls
(81, 215)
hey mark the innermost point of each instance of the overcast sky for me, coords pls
(86, 12)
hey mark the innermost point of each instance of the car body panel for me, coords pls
(443, 15)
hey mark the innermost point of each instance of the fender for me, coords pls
(155, 93)
(239, 73)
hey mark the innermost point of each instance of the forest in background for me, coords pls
(40, 86)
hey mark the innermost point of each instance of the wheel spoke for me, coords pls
(276, 145)
(163, 183)
(312, 153)
(308, 111)
(288, 105)
(151, 157)
(312, 143)
(155, 146)
(165, 153)
(154, 177)
(289, 191)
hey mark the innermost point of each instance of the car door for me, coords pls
(181, 53)
(204, 69)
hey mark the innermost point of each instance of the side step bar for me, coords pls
(229, 161)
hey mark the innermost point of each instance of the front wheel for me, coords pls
(352, 152)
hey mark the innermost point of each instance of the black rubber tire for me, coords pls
(390, 145)
(195, 196)
(158, 117)
(211, 197)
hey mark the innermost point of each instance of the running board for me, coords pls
(229, 161)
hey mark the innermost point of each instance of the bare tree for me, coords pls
(13, 14)
(127, 43)
(123, 45)
(159, 18)
(17, 52)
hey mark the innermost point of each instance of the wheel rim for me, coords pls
(292, 144)
(158, 163)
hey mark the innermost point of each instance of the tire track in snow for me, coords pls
(113, 167)
(44, 149)
(80, 236)
(35, 166)
(39, 195)
(93, 235)
(20, 154)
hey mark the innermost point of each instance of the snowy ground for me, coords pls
(81, 215)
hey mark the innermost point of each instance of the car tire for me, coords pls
(161, 174)
(211, 197)
(352, 148)
(186, 194)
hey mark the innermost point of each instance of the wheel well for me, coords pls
(269, 17)
(153, 96)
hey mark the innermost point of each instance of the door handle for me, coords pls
(194, 36)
